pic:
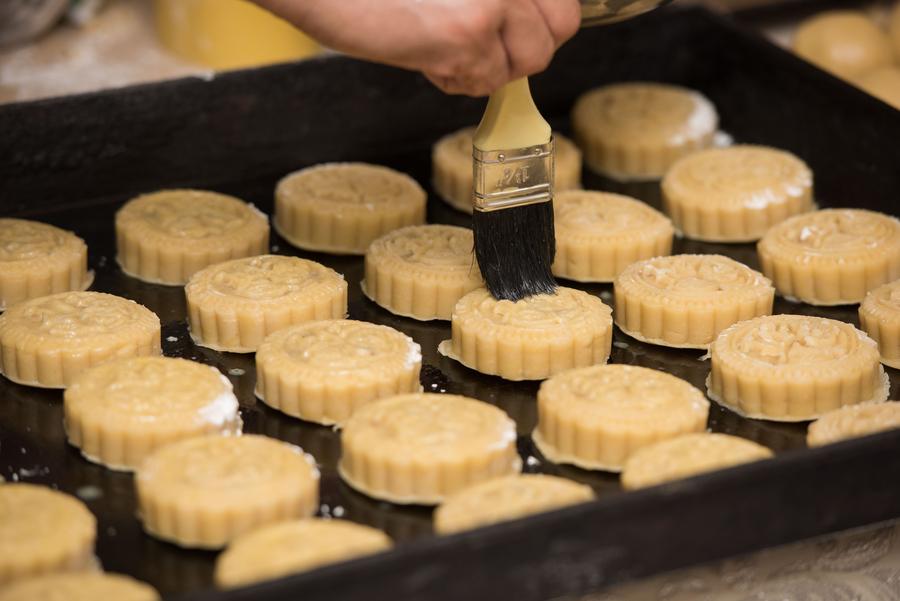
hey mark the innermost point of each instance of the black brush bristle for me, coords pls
(515, 248)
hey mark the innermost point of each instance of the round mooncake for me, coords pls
(508, 498)
(879, 317)
(599, 234)
(832, 256)
(530, 339)
(421, 448)
(121, 411)
(292, 547)
(684, 301)
(43, 531)
(79, 587)
(794, 367)
(168, 236)
(341, 208)
(844, 42)
(37, 259)
(687, 456)
(735, 194)
(233, 306)
(597, 417)
(636, 131)
(323, 371)
(48, 341)
(205, 491)
(853, 421)
(421, 271)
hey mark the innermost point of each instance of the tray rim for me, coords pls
(329, 579)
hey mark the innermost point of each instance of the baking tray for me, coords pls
(73, 161)
(773, 11)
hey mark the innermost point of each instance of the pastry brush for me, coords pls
(513, 211)
(512, 156)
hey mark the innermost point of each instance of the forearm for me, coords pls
(464, 46)
(396, 32)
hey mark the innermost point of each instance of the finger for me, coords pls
(461, 85)
(441, 82)
(527, 38)
(563, 18)
(490, 71)
(449, 85)
(476, 72)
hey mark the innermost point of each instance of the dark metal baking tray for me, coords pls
(766, 12)
(73, 161)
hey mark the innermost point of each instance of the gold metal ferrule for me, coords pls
(513, 177)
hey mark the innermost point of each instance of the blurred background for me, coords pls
(58, 47)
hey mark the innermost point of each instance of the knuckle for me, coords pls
(563, 18)
(478, 91)
(464, 39)
(567, 27)
(542, 61)
(446, 85)
(492, 74)
(481, 22)
(477, 27)
(477, 83)
(453, 66)
(532, 62)
(488, 85)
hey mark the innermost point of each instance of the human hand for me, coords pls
(463, 46)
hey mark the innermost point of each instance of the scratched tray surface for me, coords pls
(32, 440)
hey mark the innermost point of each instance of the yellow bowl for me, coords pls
(228, 34)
